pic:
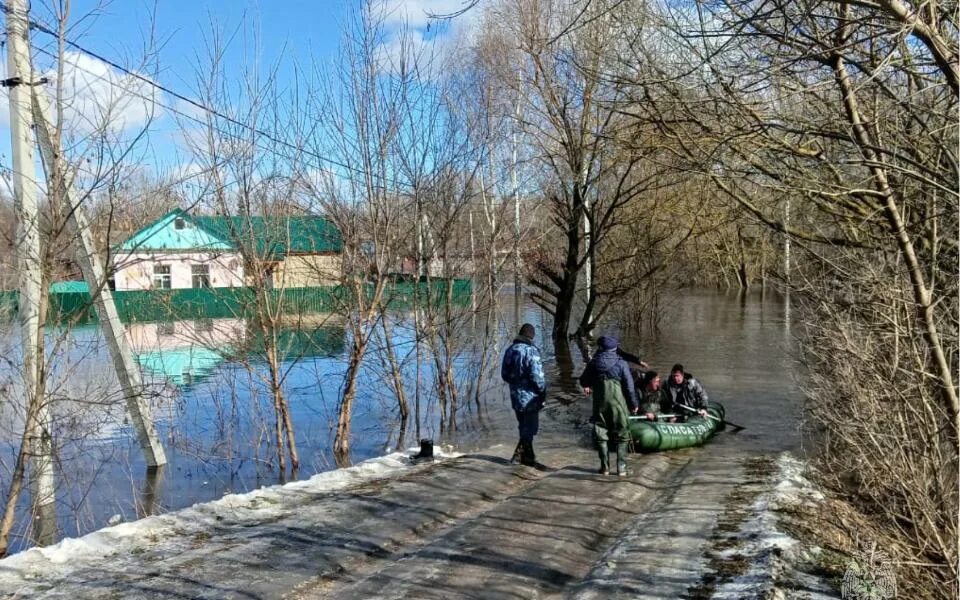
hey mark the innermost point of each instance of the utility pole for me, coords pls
(517, 264)
(515, 166)
(93, 273)
(29, 106)
(36, 439)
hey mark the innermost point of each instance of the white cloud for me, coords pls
(184, 172)
(406, 44)
(412, 33)
(98, 97)
(416, 13)
(189, 110)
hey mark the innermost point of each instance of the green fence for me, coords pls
(73, 304)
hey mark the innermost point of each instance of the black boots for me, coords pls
(527, 456)
(517, 454)
(604, 451)
(426, 451)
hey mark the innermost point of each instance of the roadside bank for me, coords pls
(697, 523)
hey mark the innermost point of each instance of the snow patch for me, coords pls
(771, 553)
(171, 532)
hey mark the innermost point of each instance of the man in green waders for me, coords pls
(608, 378)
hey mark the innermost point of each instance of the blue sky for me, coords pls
(267, 30)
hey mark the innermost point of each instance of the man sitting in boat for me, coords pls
(686, 393)
(654, 400)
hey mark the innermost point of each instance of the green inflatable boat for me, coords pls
(653, 436)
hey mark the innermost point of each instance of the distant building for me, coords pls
(180, 250)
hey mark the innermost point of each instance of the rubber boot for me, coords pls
(517, 453)
(622, 459)
(604, 451)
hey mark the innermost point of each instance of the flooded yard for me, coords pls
(215, 416)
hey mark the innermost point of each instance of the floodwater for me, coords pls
(216, 421)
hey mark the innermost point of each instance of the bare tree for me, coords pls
(846, 111)
(361, 187)
(574, 122)
(86, 140)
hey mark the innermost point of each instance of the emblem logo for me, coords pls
(869, 576)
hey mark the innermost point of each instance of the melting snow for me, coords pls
(177, 530)
(771, 553)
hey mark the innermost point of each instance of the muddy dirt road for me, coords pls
(468, 527)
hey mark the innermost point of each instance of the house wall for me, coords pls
(135, 270)
(219, 334)
(309, 271)
(460, 266)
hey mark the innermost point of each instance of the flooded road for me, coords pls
(474, 526)
(212, 413)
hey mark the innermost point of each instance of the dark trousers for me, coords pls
(528, 422)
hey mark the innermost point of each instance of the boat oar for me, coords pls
(658, 417)
(709, 416)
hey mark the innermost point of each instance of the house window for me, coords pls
(166, 329)
(201, 276)
(179, 223)
(161, 277)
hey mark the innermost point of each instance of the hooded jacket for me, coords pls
(689, 393)
(522, 368)
(607, 364)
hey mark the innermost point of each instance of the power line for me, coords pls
(161, 105)
(44, 29)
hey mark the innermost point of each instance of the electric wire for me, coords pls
(33, 24)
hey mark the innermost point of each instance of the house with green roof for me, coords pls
(180, 250)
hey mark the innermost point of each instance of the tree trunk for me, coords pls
(396, 378)
(922, 295)
(448, 349)
(341, 442)
(743, 277)
(566, 294)
(16, 486)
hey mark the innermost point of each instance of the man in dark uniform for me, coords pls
(522, 368)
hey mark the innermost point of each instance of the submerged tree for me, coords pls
(594, 158)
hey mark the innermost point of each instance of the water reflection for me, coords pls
(210, 395)
(187, 352)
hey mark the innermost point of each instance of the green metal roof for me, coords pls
(269, 236)
(276, 236)
(69, 287)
